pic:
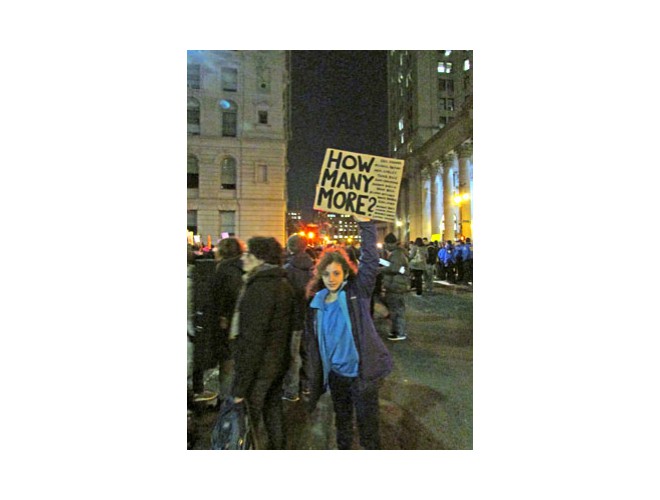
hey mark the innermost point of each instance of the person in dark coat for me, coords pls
(395, 283)
(418, 258)
(341, 349)
(226, 287)
(299, 271)
(261, 358)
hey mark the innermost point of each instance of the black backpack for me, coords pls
(232, 430)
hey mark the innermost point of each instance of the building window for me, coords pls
(446, 85)
(229, 118)
(262, 173)
(466, 65)
(444, 120)
(447, 104)
(263, 117)
(229, 79)
(466, 82)
(192, 221)
(228, 173)
(447, 52)
(444, 67)
(194, 76)
(193, 172)
(228, 222)
(193, 116)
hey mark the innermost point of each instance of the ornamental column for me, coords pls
(447, 164)
(435, 213)
(465, 207)
(426, 195)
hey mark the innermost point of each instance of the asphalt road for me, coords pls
(426, 402)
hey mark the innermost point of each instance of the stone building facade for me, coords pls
(430, 127)
(238, 119)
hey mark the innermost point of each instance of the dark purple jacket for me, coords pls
(375, 359)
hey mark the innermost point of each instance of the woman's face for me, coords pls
(250, 262)
(333, 276)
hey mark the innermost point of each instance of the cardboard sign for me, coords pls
(359, 184)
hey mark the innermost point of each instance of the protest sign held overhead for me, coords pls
(359, 184)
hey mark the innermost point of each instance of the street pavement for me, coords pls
(426, 402)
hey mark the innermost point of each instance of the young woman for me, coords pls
(341, 348)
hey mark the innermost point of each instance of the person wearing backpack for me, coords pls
(418, 256)
(263, 320)
(395, 283)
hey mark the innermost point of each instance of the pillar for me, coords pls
(464, 155)
(426, 200)
(435, 212)
(447, 203)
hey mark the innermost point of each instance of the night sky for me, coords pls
(338, 100)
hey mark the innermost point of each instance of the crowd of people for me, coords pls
(294, 323)
(288, 324)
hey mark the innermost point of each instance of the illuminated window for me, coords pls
(193, 172)
(194, 76)
(229, 79)
(447, 52)
(401, 124)
(228, 173)
(466, 65)
(444, 67)
(193, 116)
(450, 104)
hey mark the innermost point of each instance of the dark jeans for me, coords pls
(417, 279)
(349, 392)
(396, 304)
(266, 417)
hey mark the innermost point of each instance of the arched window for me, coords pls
(229, 118)
(193, 116)
(193, 172)
(228, 173)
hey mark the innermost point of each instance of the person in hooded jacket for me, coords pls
(299, 267)
(261, 357)
(341, 349)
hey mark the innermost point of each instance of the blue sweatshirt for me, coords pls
(336, 344)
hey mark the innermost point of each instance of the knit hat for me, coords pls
(296, 244)
(390, 238)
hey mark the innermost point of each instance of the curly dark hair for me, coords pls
(229, 247)
(267, 249)
(327, 257)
